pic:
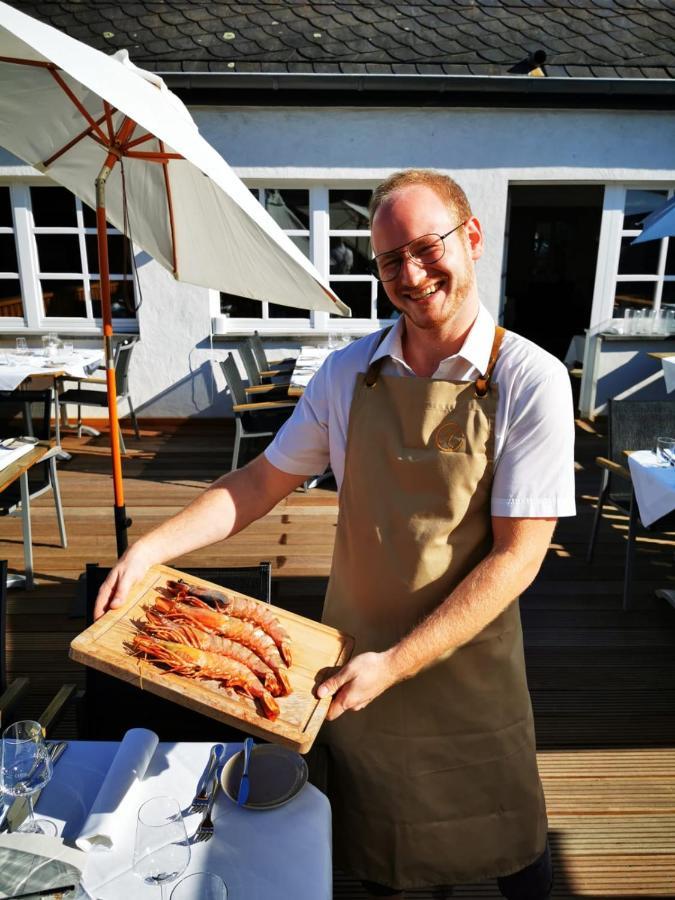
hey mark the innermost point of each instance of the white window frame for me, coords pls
(34, 320)
(611, 232)
(319, 323)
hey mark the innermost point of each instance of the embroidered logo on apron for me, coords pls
(450, 438)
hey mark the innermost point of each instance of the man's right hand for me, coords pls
(128, 569)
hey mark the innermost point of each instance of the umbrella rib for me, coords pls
(64, 87)
(109, 110)
(169, 201)
(152, 157)
(87, 132)
(140, 140)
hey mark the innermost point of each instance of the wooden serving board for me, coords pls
(314, 647)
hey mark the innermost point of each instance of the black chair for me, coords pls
(16, 420)
(252, 420)
(631, 425)
(268, 369)
(277, 390)
(110, 706)
(9, 693)
(93, 397)
(12, 692)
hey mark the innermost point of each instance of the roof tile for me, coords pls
(463, 36)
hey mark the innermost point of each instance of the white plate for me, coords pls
(276, 774)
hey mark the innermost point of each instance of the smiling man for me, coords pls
(452, 444)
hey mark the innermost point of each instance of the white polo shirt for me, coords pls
(534, 427)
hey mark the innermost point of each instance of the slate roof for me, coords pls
(598, 39)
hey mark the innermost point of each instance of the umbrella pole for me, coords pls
(121, 520)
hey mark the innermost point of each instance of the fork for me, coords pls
(204, 830)
(201, 798)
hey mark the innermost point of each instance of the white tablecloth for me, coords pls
(669, 372)
(283, 853)
(309, 361)
(654, 486)
(81, 364)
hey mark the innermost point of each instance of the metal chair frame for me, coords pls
(84, 397)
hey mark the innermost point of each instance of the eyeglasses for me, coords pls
(423, 250)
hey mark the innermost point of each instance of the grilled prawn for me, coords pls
(242, 608)
(167, 629)
(196, 663)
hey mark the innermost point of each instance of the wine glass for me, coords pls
(204, 885)
(26, 767)
(161, 850)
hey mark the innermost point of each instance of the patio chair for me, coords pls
(93, 397)
(12, 692)
(252, 420)
(277, 390)
(16, 420)
(111, 706)
(631, 425)
(268, 369)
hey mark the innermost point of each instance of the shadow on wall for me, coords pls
(199, 395)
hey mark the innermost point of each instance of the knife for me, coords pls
(242, 796)
(18, 811)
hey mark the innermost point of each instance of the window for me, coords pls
(330, 226)
(49, 262)
(646, 272)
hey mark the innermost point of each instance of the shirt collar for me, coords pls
(475, 349)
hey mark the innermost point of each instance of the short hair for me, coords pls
(444, 186)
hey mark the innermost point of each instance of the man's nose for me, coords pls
(411, 272)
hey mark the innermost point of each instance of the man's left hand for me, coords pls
(352, 687)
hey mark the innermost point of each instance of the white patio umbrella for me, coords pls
(97, 123)
(658, 224)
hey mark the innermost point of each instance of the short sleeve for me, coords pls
(301, 445)
(534, 473)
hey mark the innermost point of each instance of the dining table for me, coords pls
(16, 370)
(18, 469)
(307, 364)
(667, 360)
(654, 489)
(284, 852)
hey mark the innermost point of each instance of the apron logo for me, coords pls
(450, 438)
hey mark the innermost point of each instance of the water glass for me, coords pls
(161, 849)
(200, 886)
(26, 767)
(629, 320)
(68, 350)
(21, 346)
(665, 451)
(669, 321)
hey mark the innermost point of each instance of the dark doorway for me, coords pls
(552, 240)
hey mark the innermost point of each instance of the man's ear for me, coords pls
(474, 232)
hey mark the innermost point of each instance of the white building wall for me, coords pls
(486, 150)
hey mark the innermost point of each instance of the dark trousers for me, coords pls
(534, 882)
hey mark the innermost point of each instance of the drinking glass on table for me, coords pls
(161, 849)
(22, 346)
(665, 451)
(200, 886)
(26, 767)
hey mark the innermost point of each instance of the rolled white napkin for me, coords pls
(127, 768)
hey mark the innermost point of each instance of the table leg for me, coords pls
(27, 532)
(62, 455)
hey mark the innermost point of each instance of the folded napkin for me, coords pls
(37, 862)
(127, 768)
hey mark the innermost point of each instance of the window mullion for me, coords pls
(319, 247)
(27, 258)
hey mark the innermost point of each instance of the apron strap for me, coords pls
(373, 372)
(483, 381)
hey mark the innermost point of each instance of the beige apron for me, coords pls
(436, 781)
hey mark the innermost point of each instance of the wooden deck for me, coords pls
(602, 681)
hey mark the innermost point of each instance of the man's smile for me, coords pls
(421, 293)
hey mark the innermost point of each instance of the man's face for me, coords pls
(429, 295)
